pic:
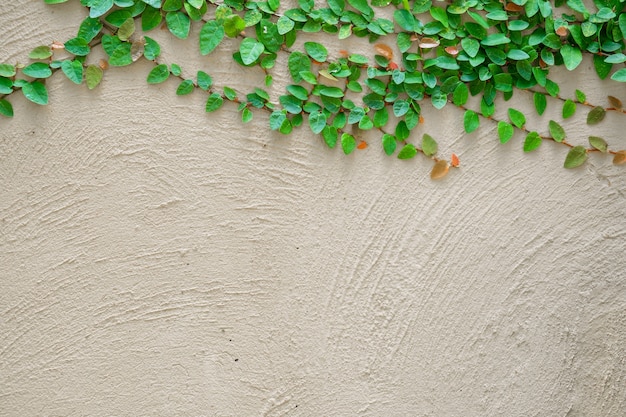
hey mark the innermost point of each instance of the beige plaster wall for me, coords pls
(159, 261)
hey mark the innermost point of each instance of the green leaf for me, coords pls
(317, 122)
(73, 70)
(619, 75)
(556, 131)
(596, 115)
(575, 157)
(234, 25)
(532, 141)
(231, 94)
(517, 118)
(407, 152)
(572, 56)
(184, 88)
(246, 115)
(297, 64)
(389, 143)
(121, 56)
(460, 94)
(348, 143)
(250, 50)
(316, 51)
(41, 52)
(330, 136)
(211, 35)
(429, 145)
(580, 96)
(214, 102)
(150, 18)
(569, 108)
(178, 23)
(176, 70)
(159, 74)
(438, 99)
(6, 109)
(37, 70)
(7, 70)
(598, 143)
(471, 46)
(505, 131)
(284, 25)
(6, 85)
(204, 80)
(93, 76)
(127, 29)
(540, 103)
(36, 92)
(470, 121)
(151, 49)
(602, 68)
(495, 39)
(100, 7)
(77, 46)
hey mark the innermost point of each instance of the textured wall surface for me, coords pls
(159, 261)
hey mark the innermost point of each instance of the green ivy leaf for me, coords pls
(317, 122)
(429, 145)
(572, 56)
(602, 68)
(470, 121)
(204, 80)
(246, 115)
(532, 141)
(93, 76)
(7, 70)
(575, 157)
(214, 102)
(298, 63)
(159, 74)
(581, 97)
(556, 131)
(460, 94)
(178, 23)
(151, 49)
(569, 108)
(37, 70)
(234, 25)
(41, 52)
(184, 88)
(407, 152)
(619, 75)
(330, 136)
(517, 118)
(73, 70)
(540, 103)
(100, 7)
(250, 50)
(284, 25)
(348, 143)
(316, 51)
(211, 35)
(389, 143)
(438, 99)
(35, 92)
(505, 131)
(598, 143)
(596, 115)
(6, 108)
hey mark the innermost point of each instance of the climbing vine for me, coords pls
(472, 54)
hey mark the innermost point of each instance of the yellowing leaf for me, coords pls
(440, 169)
(598, 143)
(620, 157)
(384, 50)
(615, 102)
(326, 74)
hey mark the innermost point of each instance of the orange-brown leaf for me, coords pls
(362, 145)
(615, 102)
(392, 66)
(620, 157)
(454, 160)
(561, 31)
(384, 50)
(103, 64)
(452, 50)
(428, 43)
(512, 7)
(344, 53)
(440, 169)
(57, 45)
(421, 119)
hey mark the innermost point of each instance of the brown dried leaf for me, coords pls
(620, 157)
(136, 50)
(103, 64)
(562, 31)
(57, 45)
(440, 169)
(384, 50)
(615, 102)
(454, 161)
(452, 50)
(512, 7)
(428, 43)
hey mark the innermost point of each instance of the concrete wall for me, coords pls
(159, 261)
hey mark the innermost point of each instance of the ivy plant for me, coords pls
(451, 53)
